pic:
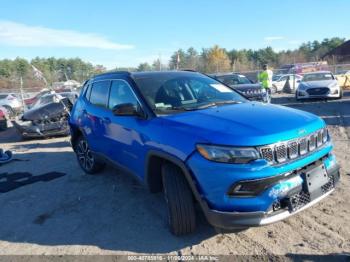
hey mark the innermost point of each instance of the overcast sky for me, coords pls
(126, 33)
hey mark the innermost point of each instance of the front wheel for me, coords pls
(179, 198)
(86, 159)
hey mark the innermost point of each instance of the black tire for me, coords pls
(296, 97)
(86, 159)
(179, 198)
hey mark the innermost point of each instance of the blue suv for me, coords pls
(200, 142)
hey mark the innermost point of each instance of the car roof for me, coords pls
(319, 72)
(137, 75)
(227, 74)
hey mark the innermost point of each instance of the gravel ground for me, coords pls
(112, 214)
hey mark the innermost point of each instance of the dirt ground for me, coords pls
(112, 214)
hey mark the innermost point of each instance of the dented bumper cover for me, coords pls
(282, 191)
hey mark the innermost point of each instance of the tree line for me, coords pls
(207, 60)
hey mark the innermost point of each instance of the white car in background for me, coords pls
(322, 84)
(279, 82)
(11, 102)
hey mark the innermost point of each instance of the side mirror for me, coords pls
(298, 81)
(128, 109)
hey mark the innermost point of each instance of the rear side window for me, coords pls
(99, 93)
(121, 93)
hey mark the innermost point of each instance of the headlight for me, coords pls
(263, 90)
(225, 154)
(301, 87)
(334, 85)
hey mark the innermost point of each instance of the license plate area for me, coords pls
(314, 179)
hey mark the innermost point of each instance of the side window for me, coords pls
(121, 93)
(99, 93)
(88, 92)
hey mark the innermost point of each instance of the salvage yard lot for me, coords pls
(68, 212)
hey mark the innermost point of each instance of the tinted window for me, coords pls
(99, 93)
(121, 93)
(171, 92)
(317, 77)
(231, 80)
(88, 92)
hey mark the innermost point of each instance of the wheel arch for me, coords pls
(75, 134)
(153, 169)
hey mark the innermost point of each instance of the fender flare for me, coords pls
(185, 170)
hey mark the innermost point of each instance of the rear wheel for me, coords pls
(179, 198)
(86, 159)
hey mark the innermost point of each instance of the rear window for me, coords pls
(99, 93)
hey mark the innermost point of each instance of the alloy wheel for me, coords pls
(84, 155)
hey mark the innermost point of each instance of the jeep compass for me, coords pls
(201, 143)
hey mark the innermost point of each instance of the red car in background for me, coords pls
(3, 118)
(29, 102)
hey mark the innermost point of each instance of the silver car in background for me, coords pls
(320, 84)
(11, 102)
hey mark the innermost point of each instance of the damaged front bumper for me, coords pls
(30, 129)
(290, 205)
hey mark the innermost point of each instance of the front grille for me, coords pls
(299, 200)
(292, 149)
(281, 153)
(312, 142)
(267, 153)
(327, 187)
(318, 91)
(252, 92)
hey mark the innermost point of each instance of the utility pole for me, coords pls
(21, 90)
(160, 62)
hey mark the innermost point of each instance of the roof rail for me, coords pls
(113, 72)
(189, 70)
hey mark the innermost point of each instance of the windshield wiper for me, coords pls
(219, 103)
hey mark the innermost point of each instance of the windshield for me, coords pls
(170, 93)
(276, 77)
(232, 80)
(317, 77)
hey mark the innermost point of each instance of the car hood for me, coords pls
(246, 87)
(245, 124)
(315, 84)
